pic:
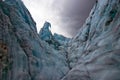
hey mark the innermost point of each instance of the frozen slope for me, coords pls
(94, 53)
(23, 55)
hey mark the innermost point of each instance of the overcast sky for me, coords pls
(65, 16)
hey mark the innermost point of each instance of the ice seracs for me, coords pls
(93, 54)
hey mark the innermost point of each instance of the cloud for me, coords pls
(74, 14)
(66, 16)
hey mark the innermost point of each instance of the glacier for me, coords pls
(93, 54)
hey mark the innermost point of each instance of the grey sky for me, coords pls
(65, 16)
